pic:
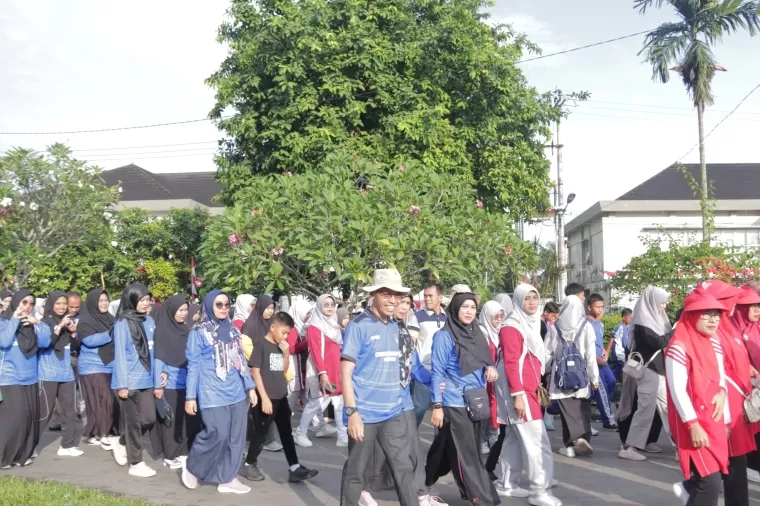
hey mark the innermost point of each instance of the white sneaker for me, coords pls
(141, 470)
(326, 430)
(188, 479)
(516, 492)
(630, 453)
(69, 452)
(567, 451)
(542, 500)
(431, 500)
(753, 476)
(36, 454)
(182, 459)
(94, 441)
(233, 487)
(594, 432)
(484, 449)
(172, 463)
(680, 491)
(119, 453)
(549, 421)
(342, 442)
(302, 441)
(583, 447)
(274, 446)
(366, 499)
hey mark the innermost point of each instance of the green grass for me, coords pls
(21, 492)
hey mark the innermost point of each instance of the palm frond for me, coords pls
(665, 46)
(729, 17)
(698, 69)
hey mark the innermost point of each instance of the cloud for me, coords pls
(537, 31)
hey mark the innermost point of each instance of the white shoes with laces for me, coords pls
(70, 452)
(233, 487)
(141, 470)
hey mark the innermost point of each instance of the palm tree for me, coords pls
(687, 43)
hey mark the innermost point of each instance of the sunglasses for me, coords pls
(222, 305)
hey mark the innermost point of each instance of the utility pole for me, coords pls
(559, 220)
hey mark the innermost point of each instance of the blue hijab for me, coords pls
(221, 328)
(223, 337)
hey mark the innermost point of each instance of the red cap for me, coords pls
(748, 296)
(700, 300)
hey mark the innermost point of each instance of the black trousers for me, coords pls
(261, 424)
(576, 419)
(174, 438)
(703, 491)
(735, 485)
(138, 414)
(753, 458)
(65, 393)
(19, 423)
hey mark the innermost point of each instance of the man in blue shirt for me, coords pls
(375, 387)
(603, 395)
(617, 347)
(431, 320)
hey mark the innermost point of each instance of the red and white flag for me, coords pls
(193, 280)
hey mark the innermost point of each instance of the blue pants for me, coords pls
(617, 370)
(217, 453)
(420, 399)
(603, 396)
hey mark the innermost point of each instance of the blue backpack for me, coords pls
(570, 372)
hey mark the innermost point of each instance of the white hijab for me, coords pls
(298, 312)
(242, 306)
(571, 317)
(490, 309)
(506, 303)
(529, 325)
(647, 311)
(329, 326)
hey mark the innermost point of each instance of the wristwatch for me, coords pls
(437, 405)
(350, 411)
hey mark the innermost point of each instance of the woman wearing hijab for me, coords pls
(56, 376)
(697, 409)
(574, 405)
(649, 335)
(5, 299)
(406, 314)
(526, 443)
(739, 373)
(95, 363)
(491, 320)
(325, 339)
(220, 385)
(746, 319)
(244, 304)
(300, 311)
(172, 438)
(132, 378)
(194, 314)
(461, 361)
(20, 337)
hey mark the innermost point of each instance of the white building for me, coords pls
(603, 239)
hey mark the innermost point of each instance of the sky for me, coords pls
(89, 64)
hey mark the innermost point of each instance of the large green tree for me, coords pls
(388, 80)
(687, 44)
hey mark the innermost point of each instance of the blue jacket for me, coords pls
(177, 376)
(89, 361)
(128, 372)
(15, 368)
(204, 385)
(420, 374)
(50, 368)
(446, 369)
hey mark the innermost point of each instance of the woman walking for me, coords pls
(95, 363)
(575, 405)
(219, 384)
(747, 321)
(244, 305)
(172, 438)
(696, 381)
(491, 320)
(300, 311)
(462, 361)
(20, 337)
(132, 378)
(56, 376)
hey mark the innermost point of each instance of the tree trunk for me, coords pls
(703, 163)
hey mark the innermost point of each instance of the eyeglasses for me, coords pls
(711, 315)
(222, 305)
(390, 296)
(328, 305)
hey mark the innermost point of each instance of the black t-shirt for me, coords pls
(268, 358)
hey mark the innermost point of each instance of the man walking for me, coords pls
(607, 382)
(431, 320)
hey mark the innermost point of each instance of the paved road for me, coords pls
(600, 479)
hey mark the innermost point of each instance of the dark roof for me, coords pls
(139, 184)
(732, 181)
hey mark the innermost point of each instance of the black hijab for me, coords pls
(193, 310)
(4, 294)
(128, 311)
(25, 335)
(471, 345)
(256, 327)
(170, 338)
(59, 342)
(92, 321)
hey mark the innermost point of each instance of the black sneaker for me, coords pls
(492, 476)
(252, 472)
(301, 474)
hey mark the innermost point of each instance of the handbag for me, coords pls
(164, 411)
(477, 403)
(541, 393)
(751, 405)
(635, 365)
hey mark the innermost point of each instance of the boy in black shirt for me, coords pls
(269, 363)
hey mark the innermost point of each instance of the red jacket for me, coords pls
(523, 370)
(327, 362)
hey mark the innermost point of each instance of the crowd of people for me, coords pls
(205, 379)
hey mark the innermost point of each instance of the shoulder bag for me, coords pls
(751, 406)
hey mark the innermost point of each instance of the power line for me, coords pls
(144, 147)
(128, 155)
(587, 46)
(656, 113)
(96, 130)
(656, 106)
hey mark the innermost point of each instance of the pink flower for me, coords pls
(507, 250)
(276, 251)
(401, 168)
(288, 174)
(234, 239)
(415, 210)
(256, 212)
(479, 204)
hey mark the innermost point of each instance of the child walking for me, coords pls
(269, 362)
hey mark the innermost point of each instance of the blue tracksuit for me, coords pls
(128, 371)
(15, 368)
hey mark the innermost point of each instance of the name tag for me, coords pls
(392, 355)
(570, 363)
(374, 338)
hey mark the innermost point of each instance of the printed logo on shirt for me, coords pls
(374, 338)
(276, 362)
(388, 356)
